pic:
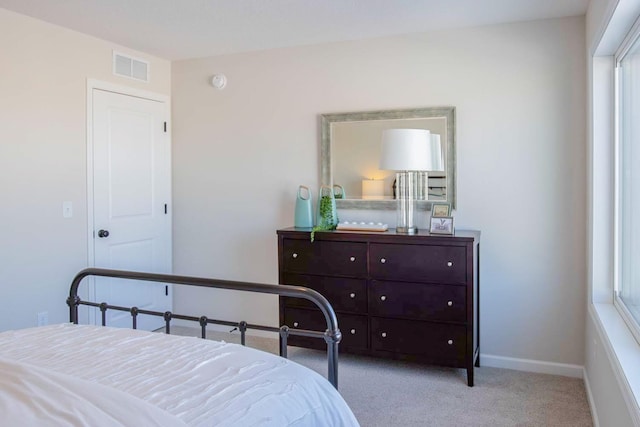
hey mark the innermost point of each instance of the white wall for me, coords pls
(43, 73)
(519, 90)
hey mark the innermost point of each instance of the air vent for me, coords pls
(132, 68)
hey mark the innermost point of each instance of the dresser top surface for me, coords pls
(389, 234)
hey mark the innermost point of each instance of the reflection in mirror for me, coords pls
(351, 150)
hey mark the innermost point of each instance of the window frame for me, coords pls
(632, 37)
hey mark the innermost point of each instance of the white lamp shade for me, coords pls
(436, 153)
(406, 150)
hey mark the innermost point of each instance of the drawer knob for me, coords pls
(352, 259)
(353, 332)
(450, 342)
(352, 295)
(383, 298)
(383, 260)
(295, 324)
(384, 335)
(449, 264)
(295, 255)
(449, 303)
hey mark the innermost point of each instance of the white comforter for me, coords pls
(30, 396)
(194, 381)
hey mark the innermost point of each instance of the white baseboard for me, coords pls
(528, 365)
(223, 328)
(592, 403)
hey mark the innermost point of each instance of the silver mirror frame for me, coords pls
(448, 113)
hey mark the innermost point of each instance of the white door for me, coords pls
(131, 201)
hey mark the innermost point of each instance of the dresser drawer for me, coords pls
(434, 342)
(354, 328)
(326, 258)
(418, 263)
(344, 294)
(418, 300)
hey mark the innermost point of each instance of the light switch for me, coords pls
(67, 209)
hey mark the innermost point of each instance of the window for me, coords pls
(627, 292)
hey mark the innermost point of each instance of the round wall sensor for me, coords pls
(219, 81)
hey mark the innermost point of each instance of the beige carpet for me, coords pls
(388, 393)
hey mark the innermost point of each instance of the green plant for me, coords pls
(326, 220)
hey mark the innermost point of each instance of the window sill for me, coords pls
(623, 351)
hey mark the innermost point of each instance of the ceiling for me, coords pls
(181, 29)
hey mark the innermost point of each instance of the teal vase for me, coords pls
(303, 217)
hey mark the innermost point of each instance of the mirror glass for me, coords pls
(351, 149)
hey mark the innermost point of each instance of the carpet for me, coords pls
(385, 393)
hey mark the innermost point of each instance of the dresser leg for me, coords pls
(478, 361)
(470, 376)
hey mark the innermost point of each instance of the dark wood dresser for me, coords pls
(396, 296)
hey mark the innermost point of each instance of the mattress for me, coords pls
(194, 381)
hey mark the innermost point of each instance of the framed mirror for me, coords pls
(351, 150)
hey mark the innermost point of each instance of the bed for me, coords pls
(72, 374)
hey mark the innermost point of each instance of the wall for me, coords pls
(519, 91)
(43, 73)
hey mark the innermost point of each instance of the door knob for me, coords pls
(103, 233)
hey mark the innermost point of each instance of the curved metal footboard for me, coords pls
(332, 335)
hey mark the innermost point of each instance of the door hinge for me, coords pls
(166, 290)
(165, 208)
(165, 126)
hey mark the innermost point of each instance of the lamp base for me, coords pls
(407, 230)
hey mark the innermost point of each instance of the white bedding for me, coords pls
(30, 396)
(197, 382)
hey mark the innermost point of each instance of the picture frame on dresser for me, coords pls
(441, 225)
(439, 210)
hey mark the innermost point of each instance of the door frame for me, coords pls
(93, 84)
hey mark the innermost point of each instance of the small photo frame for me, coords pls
(441, 225)
(440, 210)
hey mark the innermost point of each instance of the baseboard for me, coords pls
(592, 403)
(528, 365)
(228, 329)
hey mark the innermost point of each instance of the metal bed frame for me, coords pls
(332, 335)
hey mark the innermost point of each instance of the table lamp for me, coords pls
(406, 151)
